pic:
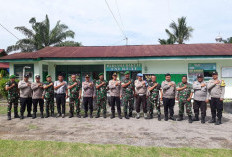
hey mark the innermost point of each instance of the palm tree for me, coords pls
(180, 32)
(41, 36)
(228, 40)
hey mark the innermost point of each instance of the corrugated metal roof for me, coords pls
(127, 51)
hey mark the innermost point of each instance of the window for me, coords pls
(28, 68)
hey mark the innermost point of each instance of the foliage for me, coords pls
(41, 36)
(179, 32)
(68, 43)
(228, 40)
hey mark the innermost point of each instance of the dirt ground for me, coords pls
(139, 132)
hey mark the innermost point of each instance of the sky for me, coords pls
(143, 21)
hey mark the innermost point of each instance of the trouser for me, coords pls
(35, 103)
(9, 107)
(199, 105)
(115, 100)
(74, 102)
(128, 102)
(216, 106)
(188, 106)
(88, 104)
(25, 102)
(169, 104)
(60, 101)
(139, 100)
(101, 103)
(151, 104)
(49, 104)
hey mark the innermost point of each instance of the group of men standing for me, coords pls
(147, 94)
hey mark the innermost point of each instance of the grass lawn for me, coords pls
(48, 149)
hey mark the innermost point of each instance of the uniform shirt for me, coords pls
(62, 89)
(216, 90)
(13, 93)
(74, 92)
(128, 90)
(25, 90)
(37, 91)
(114, 90)
(88, 90)
(185, 93)
(102, 91)
(140, 89)
(48, 92)
(168, 91)
(154, 94)
(200, 93)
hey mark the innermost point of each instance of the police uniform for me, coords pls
(154, 99)
(74, 97)
(200, 97)
(49, 98)
(115, 96)
(128, 96)
(12, 97)
(101, 96)
(216, 92)
(182, 97)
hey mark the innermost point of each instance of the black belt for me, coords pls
(60, 93)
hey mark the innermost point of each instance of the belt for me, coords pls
(141, 94)
(60, 93)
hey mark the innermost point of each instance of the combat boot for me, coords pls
(71, 115)
(126, 116)
(29, 115)
(21, 116)
(166, 118)
(104, 115)
(34, 115)
(41, 115)
(130, 114)
(86, 115)
(16, 115)
(91, 115)
(190, 119)
(78, 115)
(202, 120)
(112, 115)
(180, 118)
(159, 117)
(47, 114)
(119, 116)
(218, 122)
(213, 120)
(172, 118)
(196, 118)
(9, 116)
(97, 115)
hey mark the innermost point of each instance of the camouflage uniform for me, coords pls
(49, 97)
(128, 96)
(154, 98)
(183, 96)
(101, 95)
(13, 96)
(74, 96)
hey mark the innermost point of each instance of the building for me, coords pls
(179, 60)
(3, 66)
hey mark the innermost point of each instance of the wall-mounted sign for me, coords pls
(124, 67)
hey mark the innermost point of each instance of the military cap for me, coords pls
(215, 73)
(167, 74)
(12, 76)
(37, 76)
(114, 74)
(200, 76)
(26, 75)
(48, 76)
(86, 75)
(127, 72)
(140, 75)
(100, 74)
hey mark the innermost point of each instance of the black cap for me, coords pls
(200, 76)
(215, 73)
(26, 75)
(37, 76)
(167, 74)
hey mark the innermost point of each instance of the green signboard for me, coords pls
(124, 67)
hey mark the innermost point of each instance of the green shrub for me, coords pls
(3, 82)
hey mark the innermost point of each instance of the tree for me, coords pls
(41, 36)
(228, 40)
(179, 33)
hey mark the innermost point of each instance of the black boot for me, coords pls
(91, 115)
(180, 118)
(119, 116)
(218, 122)
(86, 115)
(202, 120)
(166, 118)
(213, 120)
(159, 117)
(151, 116)
(70, 115)
(34, 115)
(130, 114)
(21, 116)
(126, 116)
(196, 118)
(112, 115)
(97, 115)
(78, 115)
(104, 115)
(172, 118)
(190, 119)
(29, 114)
(41, 115)
(16, 115)
(8, 116)
(47, 114)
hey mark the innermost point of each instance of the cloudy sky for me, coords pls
(143, 21)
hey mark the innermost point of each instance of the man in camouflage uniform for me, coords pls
(101, 95)
(74, 87)
(128, 90)
(184, 96)
(49, 96)
(154, 88)
(13, 96)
